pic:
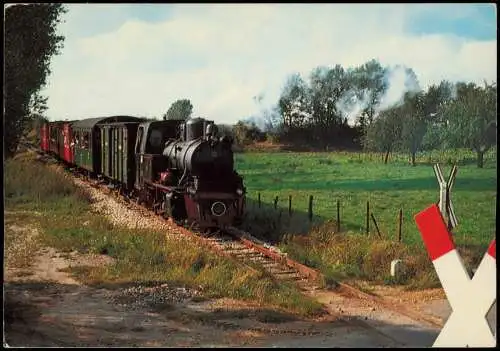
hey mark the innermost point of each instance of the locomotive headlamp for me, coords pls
(218, 208)
(239, 191)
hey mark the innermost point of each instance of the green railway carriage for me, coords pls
(117, 152)
(87, 140)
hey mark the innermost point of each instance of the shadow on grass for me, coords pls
(271, 224)
(429, 183)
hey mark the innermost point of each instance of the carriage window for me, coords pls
(85, 140)
(155, 141)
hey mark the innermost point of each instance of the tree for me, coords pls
(293, 104)
(370, 85)
(179, 110)
(414, 123)
(30, 43)
(471, 119)
(435, 98)
(384, 133)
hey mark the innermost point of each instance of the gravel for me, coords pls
(160, 296)
(120, 214)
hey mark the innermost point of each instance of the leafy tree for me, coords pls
(370, 82)
(471, 119)
(414, 124)
(179, 110)
(384, 134)
(30, 42)
(435, 98)
(293, 104)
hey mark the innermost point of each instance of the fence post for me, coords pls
(310, 208)
(400, 224)
(276, 203)
(289, 205)
(338, 216)
(259, 199)
(376, 226)
(367, 217)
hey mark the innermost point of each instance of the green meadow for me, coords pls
(355, 178)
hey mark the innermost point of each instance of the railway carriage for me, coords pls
(87, 141)
(117, 153)
(56, 138)
(44, 137)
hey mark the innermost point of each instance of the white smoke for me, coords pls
(400, 80)
(352, 103)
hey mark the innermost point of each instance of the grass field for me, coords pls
(354, 179)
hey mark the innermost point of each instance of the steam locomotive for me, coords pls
(181, 169)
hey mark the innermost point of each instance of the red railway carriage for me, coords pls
(55, 136)
(44, 137)
(60, 140)
(68, 144)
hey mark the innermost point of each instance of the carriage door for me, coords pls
(139, 156)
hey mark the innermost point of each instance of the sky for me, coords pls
(137, 59)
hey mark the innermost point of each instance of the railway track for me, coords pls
(258, 255)
(238, 245)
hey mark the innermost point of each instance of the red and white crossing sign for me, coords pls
(470, 299)
(445, 204)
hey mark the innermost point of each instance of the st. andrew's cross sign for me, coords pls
(445, 205)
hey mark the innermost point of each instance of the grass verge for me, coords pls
(345, 256)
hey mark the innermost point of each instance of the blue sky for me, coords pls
(139, 58)
(471, 21)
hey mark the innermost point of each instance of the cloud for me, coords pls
(222, 55)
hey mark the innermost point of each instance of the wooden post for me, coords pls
(310, 208)
(290, 205)
(276, 203)
(338, 216)
(259, 199)
(400, 224)
(367, 217)
(376, 226)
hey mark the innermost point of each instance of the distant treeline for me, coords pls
(376, 108)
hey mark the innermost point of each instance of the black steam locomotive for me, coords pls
(182, 170)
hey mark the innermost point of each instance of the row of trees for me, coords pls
(382, 109)
(436, 119)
